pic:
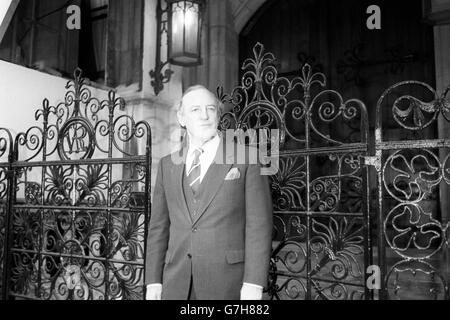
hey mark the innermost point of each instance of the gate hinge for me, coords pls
(374, 161)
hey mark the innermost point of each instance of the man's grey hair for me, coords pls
(219, 104)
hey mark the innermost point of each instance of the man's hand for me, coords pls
(153, 291)
(251, 291)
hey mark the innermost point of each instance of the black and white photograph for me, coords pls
(224, 150)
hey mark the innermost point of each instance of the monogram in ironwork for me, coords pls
(79, 202)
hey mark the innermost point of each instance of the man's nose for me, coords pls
(204, 114)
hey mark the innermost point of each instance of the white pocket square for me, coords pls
(233, 174)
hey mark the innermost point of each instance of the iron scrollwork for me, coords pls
(412, 172)
(81, 201)
(318, 191)
(6, 154)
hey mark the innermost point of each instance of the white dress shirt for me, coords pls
(206, 157)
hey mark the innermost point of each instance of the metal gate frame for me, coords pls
(78, 201)
(409, 171)
(323, 247)
(6, 181)
(266, 101)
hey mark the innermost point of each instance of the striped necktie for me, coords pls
(194, 173)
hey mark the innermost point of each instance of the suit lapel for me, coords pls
(214, 178)
(178, 174)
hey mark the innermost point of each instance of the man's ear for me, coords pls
(180, 118)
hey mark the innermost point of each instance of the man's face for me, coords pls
(199, 114)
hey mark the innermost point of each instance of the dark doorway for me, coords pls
(333, 37)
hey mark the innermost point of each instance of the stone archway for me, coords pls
(220, 43)
(243, 11)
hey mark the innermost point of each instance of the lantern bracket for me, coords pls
(157, 75)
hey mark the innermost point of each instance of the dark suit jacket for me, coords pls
(227, 243)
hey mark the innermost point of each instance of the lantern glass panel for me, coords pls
(191, 25)
(184, 45)
(177, 27)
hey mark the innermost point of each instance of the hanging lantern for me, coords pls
(184, 32)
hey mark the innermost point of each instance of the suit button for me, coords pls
(194, 230)
(189, 255)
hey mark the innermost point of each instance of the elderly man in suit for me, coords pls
(210, 230)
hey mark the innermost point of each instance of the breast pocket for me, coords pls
(234, 181)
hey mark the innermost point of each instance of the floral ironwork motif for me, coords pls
(289, 183)
(319, 177)
(414, 228)
(414, 176)
(412, 172)
(420, 113)
(340, 241)
(337, 252)
(81, 201)
(415, 112)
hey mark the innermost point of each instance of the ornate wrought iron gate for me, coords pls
(323, 241)
(322, 232)
(79, 202)
(413, 241)
(6, 154)
(74, 194)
